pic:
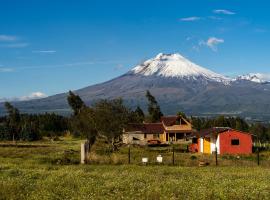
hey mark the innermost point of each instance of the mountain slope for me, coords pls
(178, 84)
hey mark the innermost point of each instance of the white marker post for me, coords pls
(83, 153)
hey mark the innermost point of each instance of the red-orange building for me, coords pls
(223, 140)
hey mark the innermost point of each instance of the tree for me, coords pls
(153, 108)
(13, 120)
(138, 115)
(85, 125)
(75, 102)
(111, 118)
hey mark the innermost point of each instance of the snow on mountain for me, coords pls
(175, 65)
(255, 77)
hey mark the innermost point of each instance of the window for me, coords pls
(235, 142)
(195, 140)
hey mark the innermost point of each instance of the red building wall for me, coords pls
(245, 142)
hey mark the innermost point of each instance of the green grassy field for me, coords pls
(46, 170)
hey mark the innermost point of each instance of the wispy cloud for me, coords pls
(44, 51)
(73, 64)
(7, 38)
(190, 19)
(215, 18)
(224, 12)
(212, 43)
(15, 45)
(118, 67)
(4, 69)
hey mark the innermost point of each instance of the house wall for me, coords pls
(162, 137)
(128, 138)
(213, 144)
(245, 142)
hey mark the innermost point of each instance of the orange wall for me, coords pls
(245, 142)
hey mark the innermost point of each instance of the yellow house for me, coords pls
(169, 129)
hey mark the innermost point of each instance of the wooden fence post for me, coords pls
(173, 156)
(258, 156)
(128, 154)
(216, 156)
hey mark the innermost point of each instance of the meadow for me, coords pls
(51, 170)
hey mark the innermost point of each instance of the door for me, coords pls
(206, 145)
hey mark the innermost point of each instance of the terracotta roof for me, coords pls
(146, 128)
(169, 120)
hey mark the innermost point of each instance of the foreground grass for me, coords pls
(133, 182)
(35, 173)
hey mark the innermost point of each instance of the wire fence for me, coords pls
(174, 155)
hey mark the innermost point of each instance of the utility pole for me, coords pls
(258, 152)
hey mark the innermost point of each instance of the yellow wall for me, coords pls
(206, 145)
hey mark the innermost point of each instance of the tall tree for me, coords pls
(75, 102)
(13, 120)
(153, 108)
(83, 121)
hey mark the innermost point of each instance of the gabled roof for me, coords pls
(173, 120)
(169, 120)
(214, 130)
(145, 127)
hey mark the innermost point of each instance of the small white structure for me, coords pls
(159, 159)
(144, 160)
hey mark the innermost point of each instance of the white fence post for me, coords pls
(83, 153)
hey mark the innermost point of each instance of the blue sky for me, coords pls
(50, 46)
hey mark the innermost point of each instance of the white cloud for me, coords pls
(7, 38)
(190, 19)
(45, 51)
(33, 95)
(212, 43)
(224, 12)
(15, 45)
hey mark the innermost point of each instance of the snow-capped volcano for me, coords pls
(175, 65)
(255, 77)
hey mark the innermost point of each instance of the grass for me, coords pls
(51, 171)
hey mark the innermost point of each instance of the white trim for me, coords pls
(201, 145)
(218, 144)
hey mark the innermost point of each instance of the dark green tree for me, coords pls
(111, 117)
(138, 115)
(153, 108)
(75, 102)
(13, 120)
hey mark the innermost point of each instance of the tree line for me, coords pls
(16, 126)
(107, 119)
